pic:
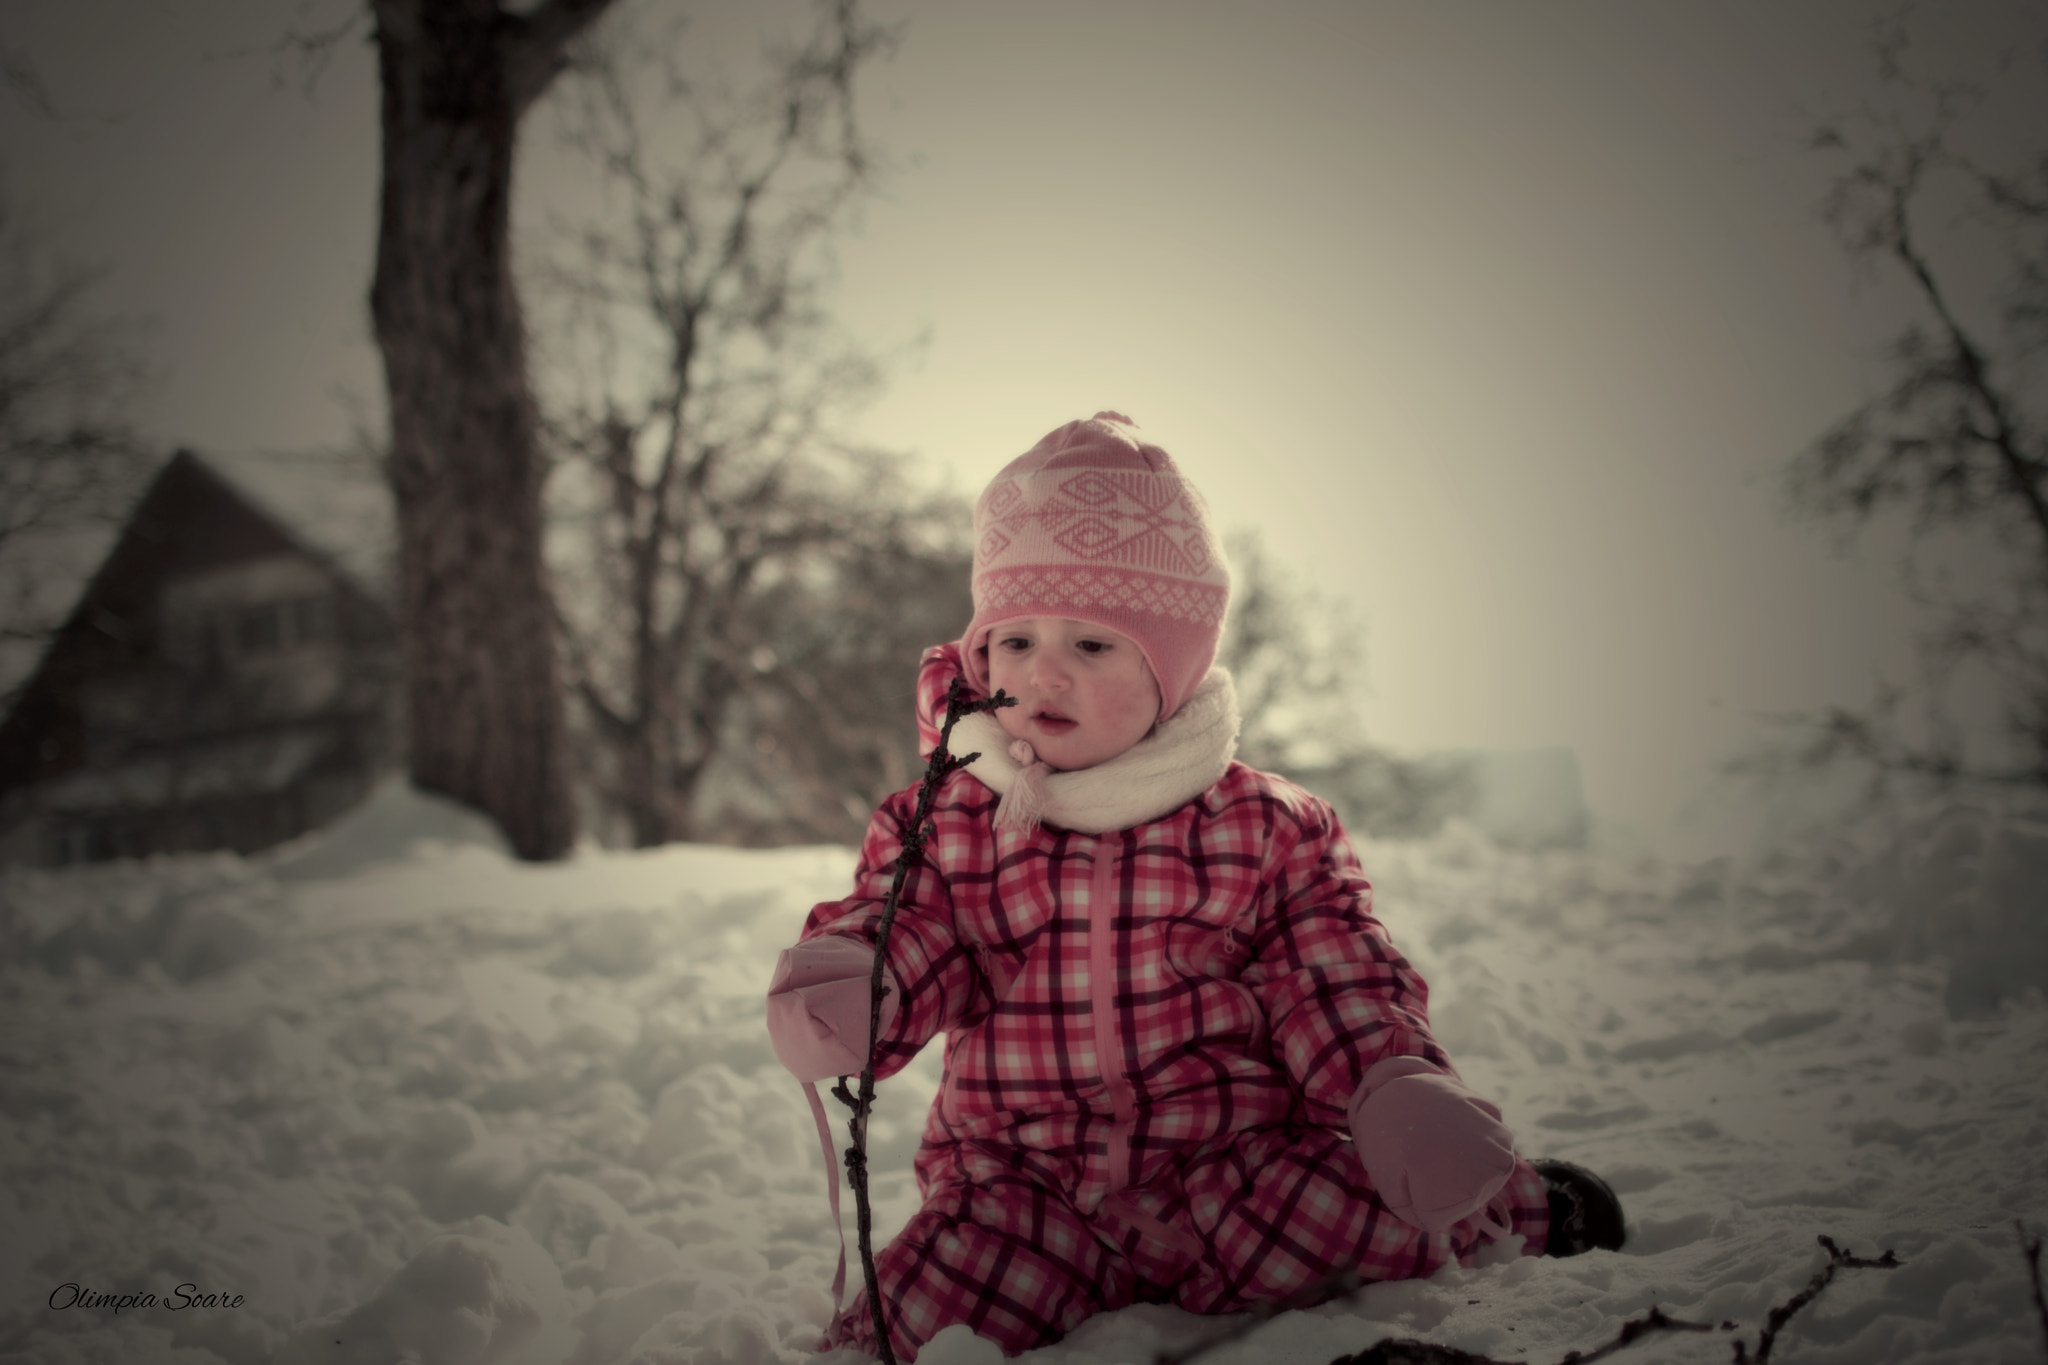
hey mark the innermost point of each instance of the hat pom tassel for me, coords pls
(1023, 805)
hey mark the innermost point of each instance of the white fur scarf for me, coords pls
(1182, 757)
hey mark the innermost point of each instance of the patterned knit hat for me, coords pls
(1096, 523)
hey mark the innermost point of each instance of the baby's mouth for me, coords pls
(1053, 722)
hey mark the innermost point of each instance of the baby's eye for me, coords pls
(1013, 643)
(1093, 646)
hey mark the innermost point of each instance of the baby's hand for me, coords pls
(1436, 1152)
(818, 1007)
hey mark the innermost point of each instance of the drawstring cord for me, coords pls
(1023, 805)
(832, 1185)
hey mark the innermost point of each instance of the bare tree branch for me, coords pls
(19, 76)
(1954, 443)
(537, 43)
(2023, 470)
(2030, 1248)
(714, 497)
(69, 461)
(312, 49)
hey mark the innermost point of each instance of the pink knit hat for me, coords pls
(1096, 523)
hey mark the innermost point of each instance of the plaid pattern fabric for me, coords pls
(1244, 1220)
(1250, 990)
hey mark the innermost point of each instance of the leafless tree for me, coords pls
(828, 728)
(486, 720)
(727, 539)
(1953, 446)
(69, 460)
(1295, 657)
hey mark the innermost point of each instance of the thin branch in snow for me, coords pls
(1782, 1314)
(1409, 1351)
(1637, 1328)
(2030, 1247)
(941, 765)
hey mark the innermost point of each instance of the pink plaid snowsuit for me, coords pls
(1152, 1036)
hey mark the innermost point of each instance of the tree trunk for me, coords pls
(486, 719)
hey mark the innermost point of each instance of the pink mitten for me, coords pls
(1435, 1151)
(818, 1007)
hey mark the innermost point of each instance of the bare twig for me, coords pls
(1782, 1314)
(1637, 1328)
(2030, 1247)
(312, 49)
(1409, 1351)
(940, 766)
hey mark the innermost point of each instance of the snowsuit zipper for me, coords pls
(1102, 982)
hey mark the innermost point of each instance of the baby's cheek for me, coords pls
(1139, 708)
(1013, 720)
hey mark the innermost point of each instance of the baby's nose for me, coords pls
(1047, 672)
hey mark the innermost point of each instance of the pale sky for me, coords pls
(1495, 319)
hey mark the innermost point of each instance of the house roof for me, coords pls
(190, 519)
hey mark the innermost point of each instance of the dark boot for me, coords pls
(1584, 1212)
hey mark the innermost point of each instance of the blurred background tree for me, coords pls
(1941, 192)
(486, 723)
(1297, 658)
(70, 463)
(739, 594)
(743, 594)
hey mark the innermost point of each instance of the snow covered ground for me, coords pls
(393, 1098)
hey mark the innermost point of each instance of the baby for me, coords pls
(1183, 1062)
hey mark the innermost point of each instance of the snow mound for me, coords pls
(1969, 883)
(1958, 883)
(484, 1294)
(393, 821)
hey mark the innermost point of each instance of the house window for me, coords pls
(283, 625)
(191, 638)
(312, 619)
(65, 843)
(259, 629)
(93, 839)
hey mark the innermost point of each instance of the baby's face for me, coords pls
(1084, 694)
